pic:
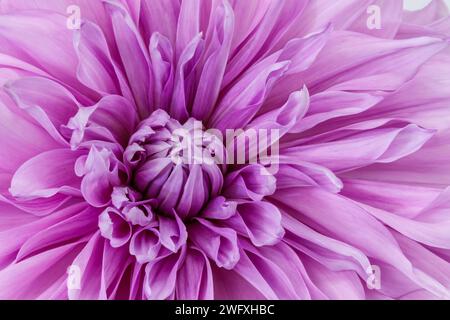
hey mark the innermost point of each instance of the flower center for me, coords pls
(170, 180)
(176, 165)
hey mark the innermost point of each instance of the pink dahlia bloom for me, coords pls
(98, 198)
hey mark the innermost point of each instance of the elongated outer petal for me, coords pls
(15, 236)
(382, 145)
(316, 205)
(276, 272)
(249, 93)
(215, 60)
(358, 54)
(48, 102)
(297, 173)
(90, 10)
(134, 56)
(82, 223)
(163, 69)
(46, 175)
(96, 67)
(161, 17)
(406, 200)
(352, 60)
(430, 227)
(101, 268)
(36, 273)
(194, 278)
(113, 117)
(161, 276)
(15, 132)
(336, 285)
(185, 77)
(330, 104)
(332, 253)
(259, 35)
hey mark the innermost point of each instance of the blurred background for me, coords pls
(418, 4)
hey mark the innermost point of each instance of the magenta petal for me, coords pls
(161, 276)
(162, 59)
(101, 172)
(252, 182)
(172, 232)
(36, 273)
(47, 180)
(101, 268)
(260, 221)
(287, 117)
(131, 49)
(429, 227)
(49, 103)
(115, 113)
(392, 12)
(218, 243)
(95, 67)
(50, 31)
(336, 285)
(114, 227)
(145, 245)
(81, 224)
(335, 254)
(219, 209)
(15, 133)
(215, 61)
(246, 97)
(184, 78)
(266, 275)
(334, 104)
(380, 145)
(297, 173)
(194, 278)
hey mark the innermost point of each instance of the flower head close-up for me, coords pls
(224, 149)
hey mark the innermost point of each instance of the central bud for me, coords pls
(178, 166)
(172, 196)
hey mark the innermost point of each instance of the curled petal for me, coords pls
(172, 232)
(145, 245)
(101, 172)
(260, 221)
(219, 209)
(252, 182)
(114, 227)
(218, 243)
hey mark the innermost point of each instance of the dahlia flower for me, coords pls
(102, 102)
